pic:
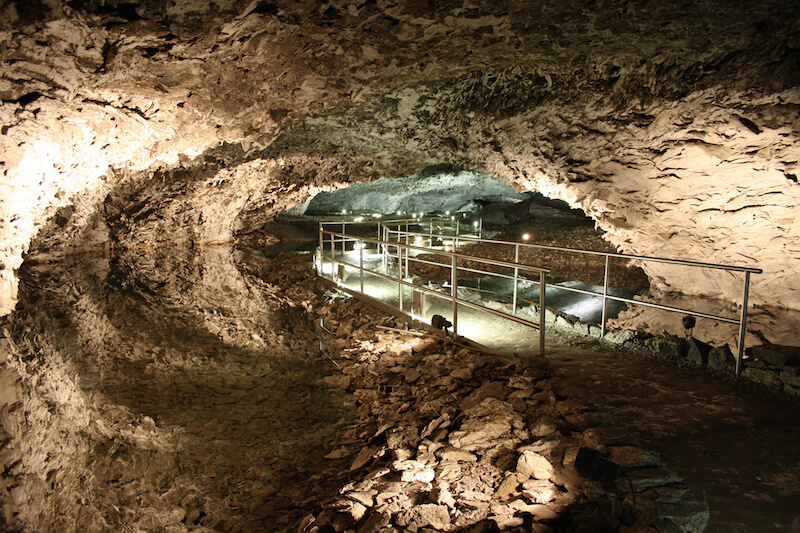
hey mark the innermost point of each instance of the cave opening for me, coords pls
(446, 192)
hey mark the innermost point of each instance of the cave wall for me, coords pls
(134, 126)
(94, 341)
(189, 123)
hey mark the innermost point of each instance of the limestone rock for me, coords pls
(679, 511)
(721, 358)
(697, 351)
(534, 465)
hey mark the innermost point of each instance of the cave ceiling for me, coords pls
(673, 125)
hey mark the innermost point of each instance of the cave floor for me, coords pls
(730, 440)
(256, 436)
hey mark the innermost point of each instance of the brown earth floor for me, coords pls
(734, 441)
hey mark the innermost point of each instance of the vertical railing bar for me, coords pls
(605, 298)
(542, 309)
(399, 274)
(333, 254)
(516, 281)
(454, 292)
(385, 262)
(406, 262)
(321, 252)
(361, 266)
(743, 324)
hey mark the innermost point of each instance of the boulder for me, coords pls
(697, 351)
(533, 465)
(667, 345)
(776, 355)
(680, 511)
(620, 336)
(721, 358)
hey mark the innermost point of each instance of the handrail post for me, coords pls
(453, 291)
(333, 254)
(344, 239)
(516, 280)
(385, 262)
(399, 274)
(542, 309)
(743, 324)
(405, 265)
(605, 298)
(321, 252)
(361, 265)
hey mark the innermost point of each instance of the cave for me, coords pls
(172, 361)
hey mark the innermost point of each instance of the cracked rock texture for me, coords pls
(676, 130)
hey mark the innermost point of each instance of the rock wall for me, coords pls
(676, 130)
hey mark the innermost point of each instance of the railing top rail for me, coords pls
(440, 252)
(369, 219)
(732, 268)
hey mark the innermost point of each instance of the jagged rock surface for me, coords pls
(152, 394)
(676, 130)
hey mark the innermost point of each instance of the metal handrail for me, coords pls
(454, 268)
(733, 268)
(742, 321)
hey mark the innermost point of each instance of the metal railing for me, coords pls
(338, 249)
(605, 295)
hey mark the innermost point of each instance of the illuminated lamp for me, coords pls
(526, 236)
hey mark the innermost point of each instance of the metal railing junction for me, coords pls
(337, 248)
(401, 238)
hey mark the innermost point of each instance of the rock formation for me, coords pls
(172, 123)
(132, 127)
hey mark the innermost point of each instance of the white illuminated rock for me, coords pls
(534, 465)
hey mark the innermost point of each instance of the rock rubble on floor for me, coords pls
(452, 439)
(297, 411)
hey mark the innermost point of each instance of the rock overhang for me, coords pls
(676, 131)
